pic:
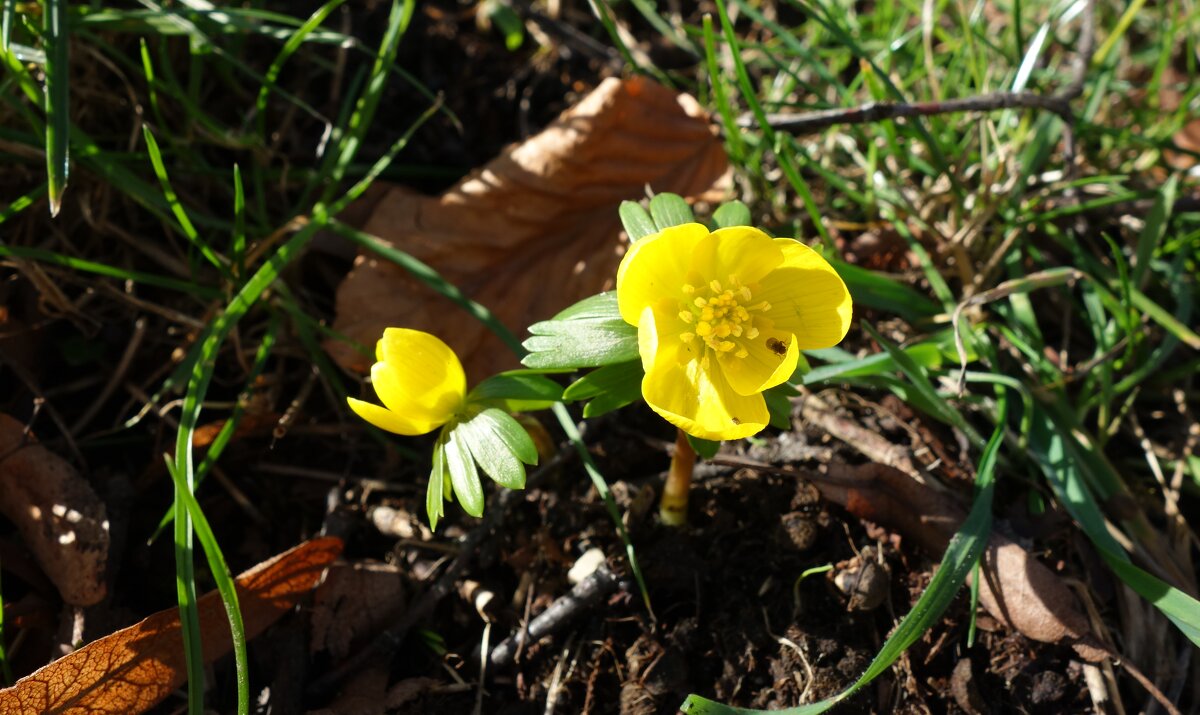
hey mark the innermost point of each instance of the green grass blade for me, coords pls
(181, 215)
(238, 244)
(364, 110)
(941, 409)
(431, 278)
(225, 435)
(614, 512)
(226, 586)
(20, 204)
(959, 560)
(101, 269)
(202, 354)
(1154, 230)
(8, 10)
(1060, 464)
(733, 133)
(294, 41)
(58, 93)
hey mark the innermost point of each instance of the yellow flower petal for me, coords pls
(807, 296)
(692, 392)
(419, 376)
(656, 268)
(385, 419)
(770, 360)
(741, 251)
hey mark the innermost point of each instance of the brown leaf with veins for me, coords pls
(60, 518)
(1017, 589)
(534, 230)
(131, 670)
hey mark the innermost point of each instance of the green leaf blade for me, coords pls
(500, 446)
(733, 213)
(669, 210)
(636, 220)
(464, 475)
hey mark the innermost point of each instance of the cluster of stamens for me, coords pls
(719, 313)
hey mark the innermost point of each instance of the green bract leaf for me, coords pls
(706, 448)
(780, 406)
(463, 474)
(590, 333)
(499, 445)
(733, 213)
(605, 379)
(669, 210)
(636, 220)
(435, 502)
(517, 391)
(609, 388)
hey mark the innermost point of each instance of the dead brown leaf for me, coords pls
(131, 670)
(1188, 136)
(1016, 588)
(356, 600)
(533, 231)
(60, 518)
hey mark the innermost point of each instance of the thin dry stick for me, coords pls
(1059, 102)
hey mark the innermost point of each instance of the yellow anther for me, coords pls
(686, 316)
(723, 330)
(688, 289)
(745, 293)
(703, 329)
(725, 346)
(741, 353)
(742, 314)
(700, 302)
(707, 313)
(751, 333)
(687, 337)
(763, 306)
(737, 331)
(715, 285)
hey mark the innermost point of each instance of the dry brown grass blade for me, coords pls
(536, 229)
(133, 669)
(60, 518)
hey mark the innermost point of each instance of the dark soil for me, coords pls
(732, 618)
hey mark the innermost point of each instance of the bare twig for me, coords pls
(600, 584)
(1059, 102)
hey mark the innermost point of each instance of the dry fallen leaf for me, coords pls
(131, 670)
(356, 600)
(533, 231)
(60, 518)
(1188, 136)
(1016, 589)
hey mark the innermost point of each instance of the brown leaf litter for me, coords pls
(534, 230)
(133, 669)
(60, 518)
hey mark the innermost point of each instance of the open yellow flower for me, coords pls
(420, 381)
(721, 317)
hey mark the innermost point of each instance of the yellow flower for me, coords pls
(721, 317)
(420, 381)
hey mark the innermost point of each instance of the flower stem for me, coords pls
(673, 507)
